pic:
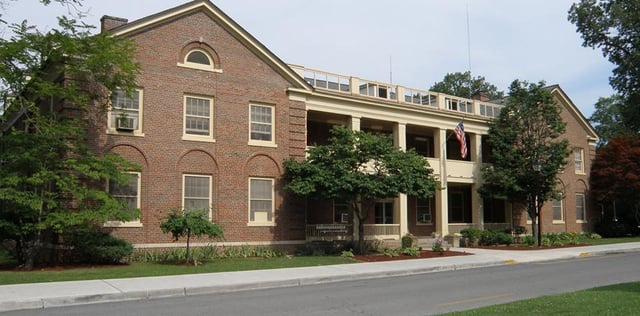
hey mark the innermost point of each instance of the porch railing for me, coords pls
(382, 231)
(330, 232)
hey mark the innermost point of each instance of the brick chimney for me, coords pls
(480, 95)
(108, 23)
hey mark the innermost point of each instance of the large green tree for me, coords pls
(607, 119)
(461, 84)
(527, 149)
(51, 182)
(359, 168)
(614, 27)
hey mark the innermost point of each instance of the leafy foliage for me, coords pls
(613, 26)
(608, 119)
(50, 181)
(97, 247)
(458, 84)
(181, 223)
(524, 136)
(359, 168)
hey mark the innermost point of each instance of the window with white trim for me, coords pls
(578, 160)
(423, 211)
(196, 192)
(261, 204)
(557, 207)
(341, 213)
(128, 194)
(125, 115)
(199, 59)
(581, 214)
(261, 127)
(198, 117)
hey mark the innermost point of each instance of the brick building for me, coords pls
(216, 114)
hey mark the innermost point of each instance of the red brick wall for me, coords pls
(165, 157)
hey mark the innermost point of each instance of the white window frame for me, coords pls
(272, 210)
(419, 222)
(134, 222)
(209, 197)
(272, 124)
(111, 129)
(554, 220)
(197, 137)
(581, 197)
(187, 64)
(345, 217)
(578, 160)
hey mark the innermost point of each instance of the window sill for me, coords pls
(123, 224)
(557, 222)
(581, 221)
(262, 144)
(194, 138)
(260, 224)
(199, 67)
(136, 133)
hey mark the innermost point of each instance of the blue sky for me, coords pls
(411, 42)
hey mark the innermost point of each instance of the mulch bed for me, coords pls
(424, 254)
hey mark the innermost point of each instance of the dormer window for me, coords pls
(199, 56)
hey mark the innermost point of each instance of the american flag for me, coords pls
(461, 139)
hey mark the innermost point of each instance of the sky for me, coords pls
(413, 43)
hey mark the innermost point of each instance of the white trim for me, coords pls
(136, 222)
(197, 137)
(272, 222)
(272, 124)
(138, 131)
(582, 169)
(210, 197)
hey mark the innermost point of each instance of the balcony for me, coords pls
(395, 93)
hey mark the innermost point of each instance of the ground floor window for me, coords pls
(341, 212)
(128, 194)
(557, 210)
(384, 213)
(196, 193)
(261, 202)
(460, 205)
(494, 211)
(580, 208)
(424, 211)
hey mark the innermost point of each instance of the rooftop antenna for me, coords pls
(469, 50)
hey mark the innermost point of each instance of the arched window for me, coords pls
(198, 57)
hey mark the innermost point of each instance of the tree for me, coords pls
(526, 150)
(458, 84)
(613, 26)
(51, 182)
(615, 175)
(359, 168)
(607, 118)
(183, 223)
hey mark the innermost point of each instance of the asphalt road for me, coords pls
(423, 294)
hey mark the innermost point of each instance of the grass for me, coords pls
(140, 269)
(619, 299)
(607, 241)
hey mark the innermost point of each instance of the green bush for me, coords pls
(391, 252)
(470, 236)
(529, 240)
(407, 241)
(97, 247)
(411, 251)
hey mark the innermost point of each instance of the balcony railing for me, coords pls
(396, 93)
(382, 231)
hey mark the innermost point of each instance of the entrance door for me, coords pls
(384, 213)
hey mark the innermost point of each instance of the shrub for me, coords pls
(97, 247)
(529, 240)
(407, 241)
(470, 236)
(411, 251)
(391, 252)
(347, 253)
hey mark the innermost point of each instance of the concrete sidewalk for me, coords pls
(45, 295)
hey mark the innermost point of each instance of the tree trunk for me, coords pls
(188, 250)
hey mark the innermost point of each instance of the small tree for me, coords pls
(359, 168)
(183, 223)
(526, 149)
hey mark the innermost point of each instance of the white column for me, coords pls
(354, 124)
(400, 141)
(476, 200)
(442, 205)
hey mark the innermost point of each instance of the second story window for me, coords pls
(198, 117)
(578, 160)
(126, 112)
(261, 127)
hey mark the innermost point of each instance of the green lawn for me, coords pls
(139, 269)
(606, 241)
(619, 299)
